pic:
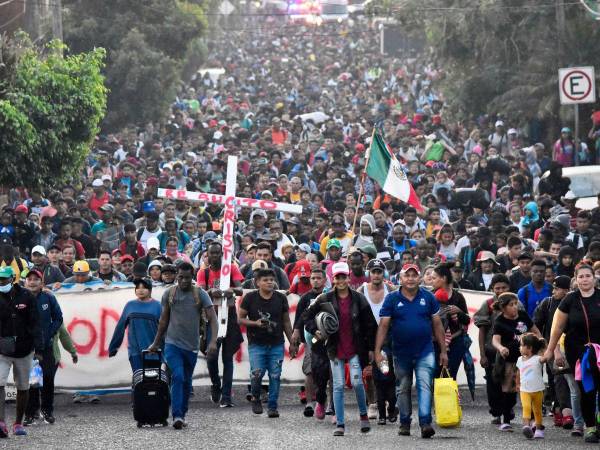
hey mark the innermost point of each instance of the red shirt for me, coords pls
(215, 275)
(345, 349)
(79, 251)
(96, 203)
(357, 281)
(301, 287)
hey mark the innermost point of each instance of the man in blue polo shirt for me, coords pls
(532, 294)
(413, 314)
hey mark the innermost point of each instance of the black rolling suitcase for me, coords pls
(150, 391)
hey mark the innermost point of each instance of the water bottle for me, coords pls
(384, 366)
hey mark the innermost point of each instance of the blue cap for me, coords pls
(565, 130)
(148, 206)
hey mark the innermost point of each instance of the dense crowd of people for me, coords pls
(299, 110)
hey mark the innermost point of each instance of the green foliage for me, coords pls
(50, 108)
(503, 55)
(146, 41)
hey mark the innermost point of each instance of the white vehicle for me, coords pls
(585, 184)
(334, 10)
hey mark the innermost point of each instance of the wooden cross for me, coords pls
(230, 201)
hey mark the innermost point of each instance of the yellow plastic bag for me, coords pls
(448, 412)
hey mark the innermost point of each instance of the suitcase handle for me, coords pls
(145, 354)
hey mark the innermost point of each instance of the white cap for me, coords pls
(155, 263)
(217, 135)
(106, 178)
(512, 131)
(97, 183)
(38, 249)
(153, 243)
(499, 123)
(340, 268)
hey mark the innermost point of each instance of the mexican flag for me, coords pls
(384, 168)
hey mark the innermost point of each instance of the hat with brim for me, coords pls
(333, 243)
(6, 272)
(486, 256)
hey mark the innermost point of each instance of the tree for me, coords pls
(146, 43)
(50, 109)
(502, 56)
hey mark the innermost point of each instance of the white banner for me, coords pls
(91, 318)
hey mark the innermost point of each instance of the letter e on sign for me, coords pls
(576, 85)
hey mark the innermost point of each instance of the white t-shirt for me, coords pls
(530, 371)
(487, 280)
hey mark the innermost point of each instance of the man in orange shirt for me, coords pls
(278, 135)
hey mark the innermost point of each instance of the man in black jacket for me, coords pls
(353, 342)
(18, 317)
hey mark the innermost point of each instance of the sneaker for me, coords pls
(568, 422)
(558, 419)
(226, 404)
(339, 431)
(577, 431)
(257, 407)
(273, 414)
(427, 431)
(527, 432)
(373, 411)
(28, 421)
(249, 396)
(302, 395)
(497, 420)
(215, 393)
(506, 427)
(539, 434)
(78, 398)
(329, 411)
(404, 429)
(320, 411)
(333, 420)
(393, 415)
(309, 411)
(178, 423)
(48, 417)
(365, 426)
(3, 430)
(381, 421)
(19, 430)
(590, 436)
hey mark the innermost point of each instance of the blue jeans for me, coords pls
(339, 376)
(423, 368)
(213, 371)
(181, 363)
(575, 399)
(265, 358)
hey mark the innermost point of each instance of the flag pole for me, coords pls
(362, 181)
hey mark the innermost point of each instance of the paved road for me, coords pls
(110, 425)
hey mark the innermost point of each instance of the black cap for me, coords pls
(562, 282)
(168, 268)
(376, 264)
(525, 255)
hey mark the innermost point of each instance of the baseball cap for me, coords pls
(106, 178)
(303, 247)
(334, 243)
(97, 183)
(485, 255)
(38, 249)
(266, 192)
(524, 255)
(376, 264)
(209, 236)
(562, 282)
(21, 209)
(107, 207)
(407, 267)
(81, 267)
(35, 272)
(259, 264)
(168, 268)
(126, 258)
(153, 243)
(499, 123)
(340, 268)
(148, 206)
(6, 272)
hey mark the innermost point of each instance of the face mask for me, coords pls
(6, 288)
